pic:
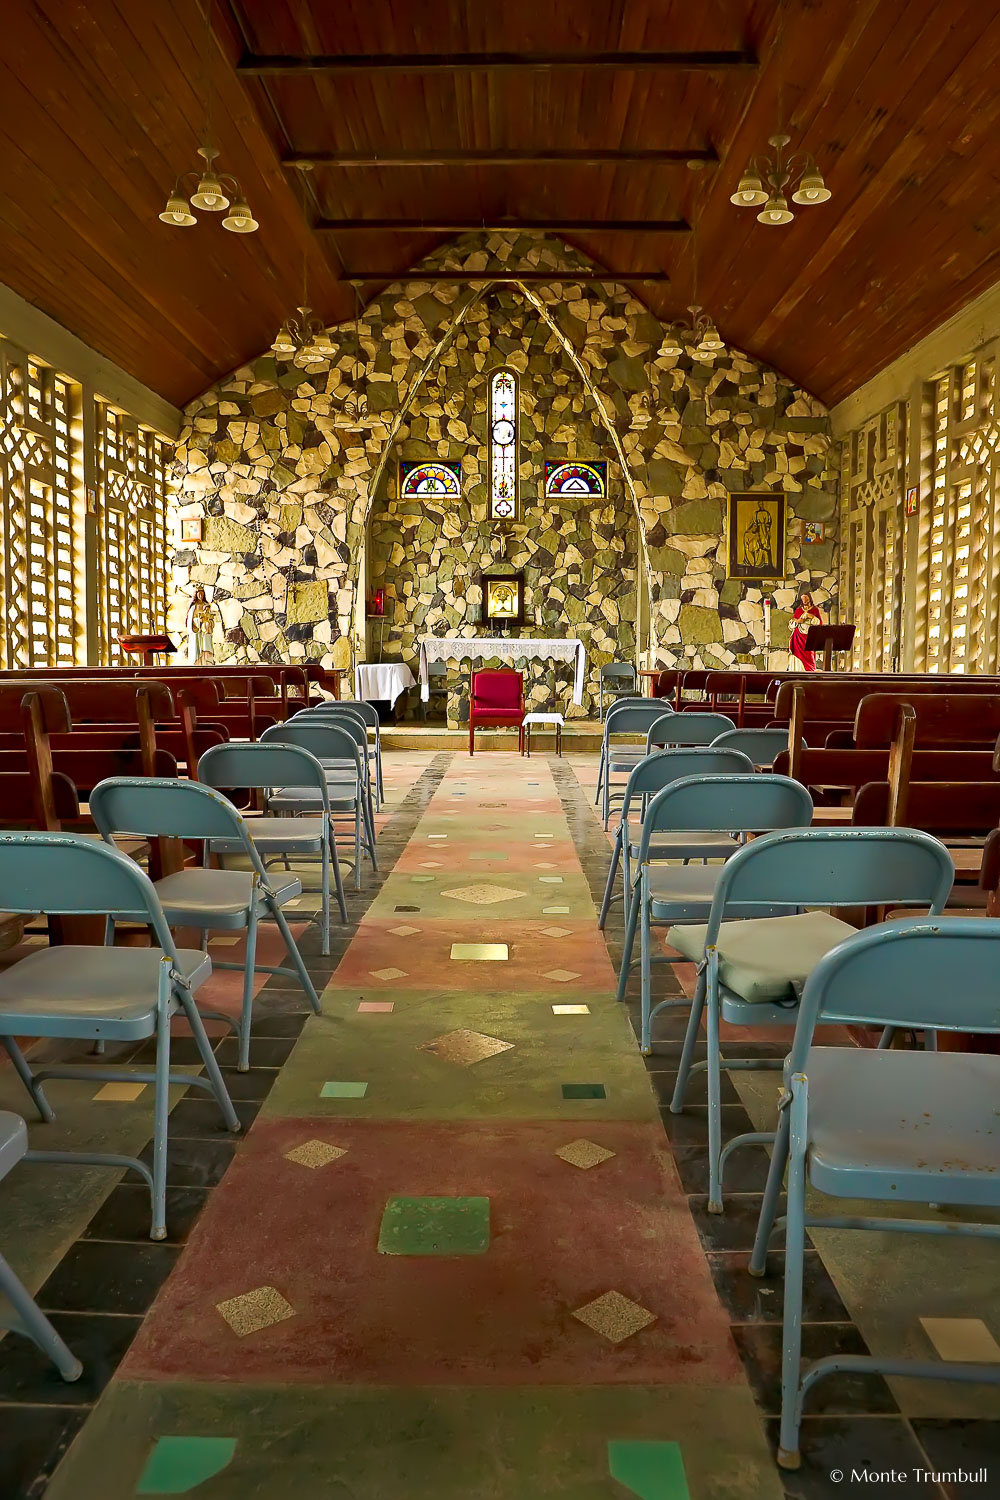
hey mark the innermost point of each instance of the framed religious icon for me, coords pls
(813, 532)
(755, 535)
(503, 598)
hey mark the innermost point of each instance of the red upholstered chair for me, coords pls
(496, 699)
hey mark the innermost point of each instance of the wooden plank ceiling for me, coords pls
(103, 103)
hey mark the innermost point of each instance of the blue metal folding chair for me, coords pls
(30, 1320)
(651, 775)
(899, 1127)
(342, 750)
(623, 718)
(762, 745)
(736, 805)
(263, 767)
(358, 709)
(686, 729)
(101, 994)
(211, 900)
(750, 971)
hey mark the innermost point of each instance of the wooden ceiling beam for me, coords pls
(498, 226)
(532, 276)
(739, 60)
(694, 157)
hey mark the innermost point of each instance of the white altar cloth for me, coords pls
(386, 679)
(504, 648)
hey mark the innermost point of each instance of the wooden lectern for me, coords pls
(147, 646)
(828, 639)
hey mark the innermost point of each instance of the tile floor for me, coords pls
(461, 1249)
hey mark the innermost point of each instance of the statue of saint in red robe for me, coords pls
(804, 614)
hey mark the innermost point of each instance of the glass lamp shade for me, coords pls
(178, 211)
(750, 193)
(284, 345)
(671, 348)
(239, 219)
(812, 189)
(775, 211)
(322, 345)
(210, 195)
(710, 342)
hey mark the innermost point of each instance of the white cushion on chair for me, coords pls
(762, 960)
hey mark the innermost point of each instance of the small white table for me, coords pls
(382, 680)
(542, 721)
(504, 648)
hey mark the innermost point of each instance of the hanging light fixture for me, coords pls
(211, 195)
(303, 337)
(778, 172)
(698, 335)
(214, 192)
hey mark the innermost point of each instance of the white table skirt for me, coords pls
(505, 648)
(382, 680)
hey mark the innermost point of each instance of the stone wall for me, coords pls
(284, 487)
(579, 558)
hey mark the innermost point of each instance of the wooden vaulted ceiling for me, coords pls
(103, 102)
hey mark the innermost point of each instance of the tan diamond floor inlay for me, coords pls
(561, 976)
(404, 931)
(430, 864)
(614, 1317)
(388, 973)
(584, 1154)
(252, 1311)
(541, 864)
(571, 1010)
(556, 932)
(483, 895)
(466, 1047)
(119, 1093)
(315, 1154)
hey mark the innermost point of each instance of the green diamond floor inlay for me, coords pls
(178, 1465)
(337, 1090)
(419, 879)
(650, 1470)
(435, 1226)
(583, 1091)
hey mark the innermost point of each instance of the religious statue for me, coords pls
(200, 625)
(804, 614)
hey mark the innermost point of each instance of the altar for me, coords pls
(508, 649)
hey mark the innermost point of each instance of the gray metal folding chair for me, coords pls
(342, 750)
(899, 1127)
(30, 1320)
(618, 678)
(750, 971)
(101, 994)
(264, 767)
(211, 900)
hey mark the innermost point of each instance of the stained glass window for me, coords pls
(589, 479)
(436, 478)
(503, 445)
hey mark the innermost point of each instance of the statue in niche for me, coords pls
(200, 625)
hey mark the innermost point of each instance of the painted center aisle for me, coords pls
(452, 1258)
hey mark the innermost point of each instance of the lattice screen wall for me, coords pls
(921, 526)
(64, 560)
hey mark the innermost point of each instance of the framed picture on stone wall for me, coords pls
(755, 535)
